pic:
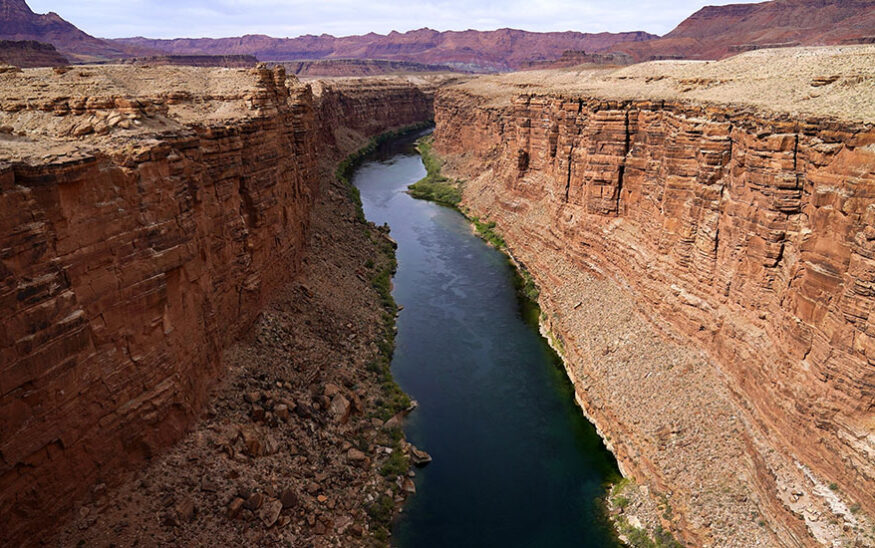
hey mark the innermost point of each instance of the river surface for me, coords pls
(515, 462)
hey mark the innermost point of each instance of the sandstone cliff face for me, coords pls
(352, 110)
(131, 258)
(750, 235)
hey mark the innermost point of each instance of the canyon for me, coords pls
(699, 232)
(197, 317)
(150, 215)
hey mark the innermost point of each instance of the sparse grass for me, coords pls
(616, 493)
(381, 510)
(396, 464)
(639, 538)
(560, 349)
(527, 288)
(667, 511)
(486, 230)
(434, 186)
(855, 508)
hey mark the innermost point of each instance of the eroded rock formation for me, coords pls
(147, 216)
(744, 232)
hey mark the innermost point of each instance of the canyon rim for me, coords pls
(198, 320)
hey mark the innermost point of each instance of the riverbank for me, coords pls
(486, 383)
(293, 446)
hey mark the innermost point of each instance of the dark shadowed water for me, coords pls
(515, 462)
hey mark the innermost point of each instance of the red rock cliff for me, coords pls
(141, 233)
(745, 233)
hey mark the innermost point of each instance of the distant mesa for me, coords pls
(227, 61)
(360, 67)
(576, 58)
(30, 53)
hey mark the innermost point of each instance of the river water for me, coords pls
(515, 462)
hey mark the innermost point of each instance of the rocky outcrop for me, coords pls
(658, 228)
(27, 54)
(144, 227)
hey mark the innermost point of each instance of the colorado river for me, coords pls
(515, 462)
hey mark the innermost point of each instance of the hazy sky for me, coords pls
(217, 18)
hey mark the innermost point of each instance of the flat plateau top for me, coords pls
(58, 115)
(833, 81)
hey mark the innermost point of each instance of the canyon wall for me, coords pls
(142, 233)
(351, 110)
(746, 234)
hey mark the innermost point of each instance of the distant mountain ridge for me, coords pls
(715, 32)
(503, 49)
(18, 22)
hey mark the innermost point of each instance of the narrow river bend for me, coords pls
(515, 462)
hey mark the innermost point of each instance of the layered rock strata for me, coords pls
(707, 267)
(148, 214)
